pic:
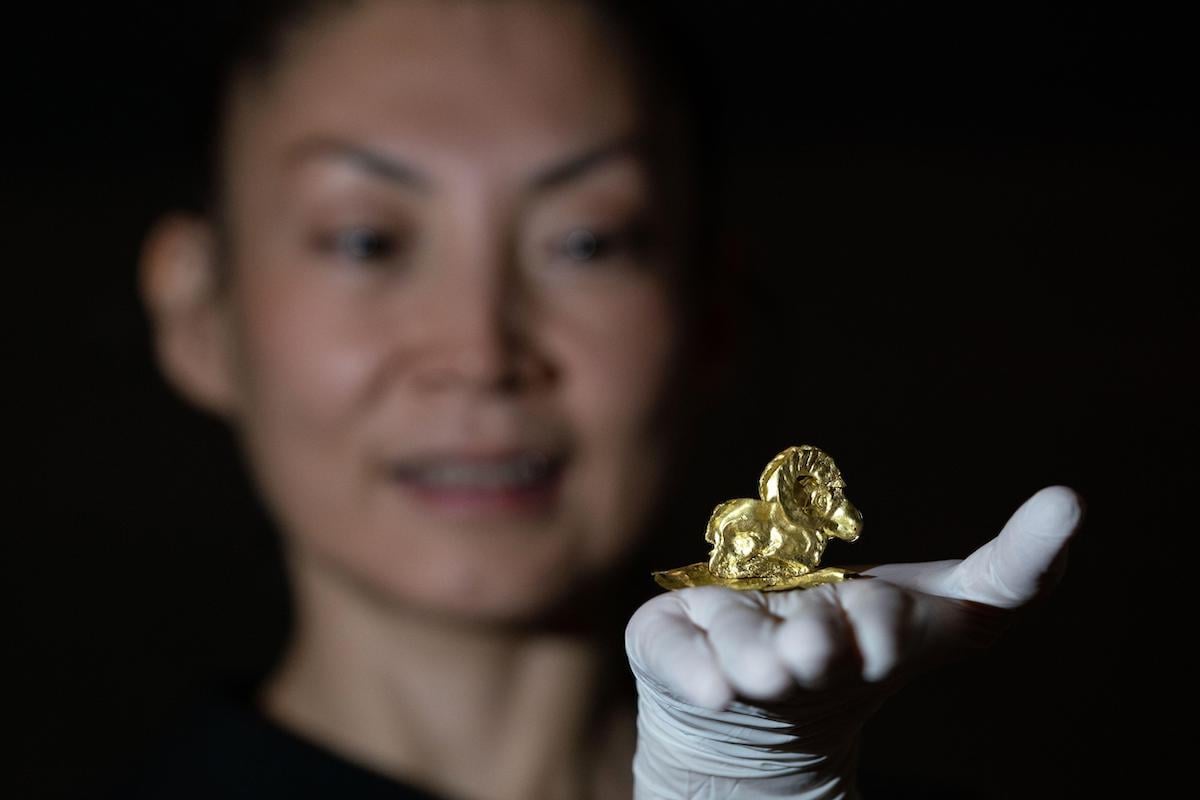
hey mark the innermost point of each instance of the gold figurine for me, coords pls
(776, 542)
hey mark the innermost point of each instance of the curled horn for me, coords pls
(782, 479)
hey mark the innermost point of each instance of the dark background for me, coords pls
(968, 232)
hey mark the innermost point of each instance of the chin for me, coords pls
(497, 590)
(505, 575)
(520, 609)
(497, 605)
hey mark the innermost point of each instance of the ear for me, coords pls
(188, 312)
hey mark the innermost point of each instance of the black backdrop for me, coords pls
(981, 211)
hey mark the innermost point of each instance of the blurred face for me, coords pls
(449, 318)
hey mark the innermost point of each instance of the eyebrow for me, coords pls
(395, 170)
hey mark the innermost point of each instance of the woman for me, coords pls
(445, 297)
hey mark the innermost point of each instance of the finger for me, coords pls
(741, 632)
(667, 648)
(814, 640)
(881, 616)
(1027, 557)
(931, 577)
(955, 578)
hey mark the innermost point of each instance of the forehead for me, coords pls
(454, 82)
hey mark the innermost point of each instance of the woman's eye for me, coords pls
(361, 244)
(581, 244)
(588, 245)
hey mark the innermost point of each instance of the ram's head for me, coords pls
(809, 487)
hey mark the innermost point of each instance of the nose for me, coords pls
(847, 522)
(476, 333)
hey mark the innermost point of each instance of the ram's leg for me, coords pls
(739, 540)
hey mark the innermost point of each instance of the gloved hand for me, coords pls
(762, 694)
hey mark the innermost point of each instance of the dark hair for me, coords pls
(676, 78)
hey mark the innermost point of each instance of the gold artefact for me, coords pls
(776, 542)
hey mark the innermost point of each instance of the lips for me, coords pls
(513, 480)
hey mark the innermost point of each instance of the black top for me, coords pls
(225, 748)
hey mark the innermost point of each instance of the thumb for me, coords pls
(1029, 555)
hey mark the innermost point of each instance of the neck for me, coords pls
(471, 710)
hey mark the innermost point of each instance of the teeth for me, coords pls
(513, 472)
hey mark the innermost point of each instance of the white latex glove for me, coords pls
(763, 694)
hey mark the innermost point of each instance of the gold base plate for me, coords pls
(698, 575)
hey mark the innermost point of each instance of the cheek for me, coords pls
(618, 357)
(297, 354)
(301, 373)
(618, 351)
